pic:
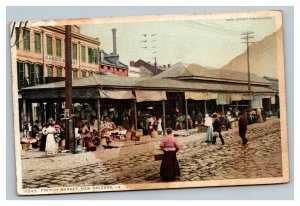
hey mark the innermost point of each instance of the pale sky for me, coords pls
(207, 42)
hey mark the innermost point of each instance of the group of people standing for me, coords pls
(50, 136)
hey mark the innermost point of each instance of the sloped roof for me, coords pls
(172, 84)
(195, 71)
(93, 81)
(150, 84)
(173, 71)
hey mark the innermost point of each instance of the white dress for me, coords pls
(159, 127)
(51, 145)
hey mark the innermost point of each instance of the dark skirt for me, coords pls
(43, 143)
(169, 167)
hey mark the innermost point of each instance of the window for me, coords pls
(21, 76)
(90, 74)
(74, 51)
(31, 74)
(50, 71)
(39, 73)
(96, 56)
(75, 74)
(83, 73)
(26, 40)
(37, 43)
(91, 55)
(108, 67)
(58, 47)
(83, 57)
(17, 37)
(49, 45)
(59, 72)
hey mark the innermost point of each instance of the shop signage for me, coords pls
(54, 59)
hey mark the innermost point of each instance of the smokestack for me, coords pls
(114, 32)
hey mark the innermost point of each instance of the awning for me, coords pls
(223, 99)
(256, 102)
(201, 95)
(145, 95)
(240, 96)
(116, 94)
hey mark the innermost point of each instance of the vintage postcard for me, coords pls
(149, 102)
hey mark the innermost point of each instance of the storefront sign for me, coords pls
(54, 59)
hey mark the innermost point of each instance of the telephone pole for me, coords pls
(247, 36)
(69, 130)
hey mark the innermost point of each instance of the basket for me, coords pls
(158, 157)
(158, 153)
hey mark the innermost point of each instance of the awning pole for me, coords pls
(223, 109)
(164, 117)
(205, 108)
(135, 115)
(186, 115)
(98, 118)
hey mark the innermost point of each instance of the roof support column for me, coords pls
(98, 118)
(164, 117)
(135, 114)
(205, 108)
(186, 115)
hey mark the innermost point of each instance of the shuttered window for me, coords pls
(37, 43)
(49, 45)
(74, 51)
(83, 56)
(58, 47)
(26, 40)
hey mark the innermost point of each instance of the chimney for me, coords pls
(132, 63)
(169, 65)
(114, 32)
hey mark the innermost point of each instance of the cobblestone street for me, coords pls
(198, 161)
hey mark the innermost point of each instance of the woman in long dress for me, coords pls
(159, 127)
(51, 145)
(208, 122)
(169, 168)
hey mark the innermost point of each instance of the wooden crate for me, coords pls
(135, 138)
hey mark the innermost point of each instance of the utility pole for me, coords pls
(248, 35)
(155, 66)
(69, 130)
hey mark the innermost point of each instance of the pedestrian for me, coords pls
(44, 137)
(243, 123)
(35, 129)
(194, 118)
(51, 145)
(217, 128)
(169, 168)
(208, 121)
(159, 126)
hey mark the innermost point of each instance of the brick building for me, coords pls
(109, 63)
(41, 54)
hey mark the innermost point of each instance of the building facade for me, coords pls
(109, 63)
(40, 53)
